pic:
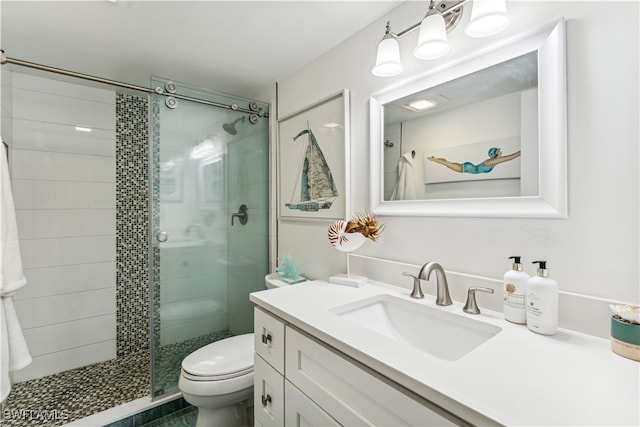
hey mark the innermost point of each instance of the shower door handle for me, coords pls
(242, 213)
(162, 236)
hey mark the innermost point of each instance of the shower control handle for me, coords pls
(242, 213)
(162, 236)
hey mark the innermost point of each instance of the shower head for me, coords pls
(230, 128)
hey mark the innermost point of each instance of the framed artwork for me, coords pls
(313, 147)
(498, 159)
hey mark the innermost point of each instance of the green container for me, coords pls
(625, 338)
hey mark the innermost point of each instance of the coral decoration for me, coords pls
(365, 224)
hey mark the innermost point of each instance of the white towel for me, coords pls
(405, 188)
(14, 353)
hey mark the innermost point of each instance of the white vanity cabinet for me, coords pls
(268, 361)
(321, 386)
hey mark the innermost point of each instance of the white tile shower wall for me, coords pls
(64, 190)
(6, 113)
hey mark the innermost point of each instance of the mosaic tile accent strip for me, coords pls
(155, 220)
(132, 224)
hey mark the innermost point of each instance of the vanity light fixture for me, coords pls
(488, 17)
(388, 58)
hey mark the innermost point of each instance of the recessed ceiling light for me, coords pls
(83, 129)
(420, 104)
(332, 125)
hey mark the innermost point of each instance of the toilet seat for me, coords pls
(222, 360)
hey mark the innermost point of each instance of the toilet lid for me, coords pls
(222, 359)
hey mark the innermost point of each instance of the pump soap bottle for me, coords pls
(515, 285)
(542, 302)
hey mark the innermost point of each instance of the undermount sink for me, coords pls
(432, 330)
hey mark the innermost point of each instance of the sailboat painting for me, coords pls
(312, 161)
(315, 181)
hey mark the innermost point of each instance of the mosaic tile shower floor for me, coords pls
(70, 395)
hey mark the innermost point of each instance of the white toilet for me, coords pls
(218, 380)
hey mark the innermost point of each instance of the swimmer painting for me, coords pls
(495, 158)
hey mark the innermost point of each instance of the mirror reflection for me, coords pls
(472, 137)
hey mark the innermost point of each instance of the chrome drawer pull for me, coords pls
(266, 400)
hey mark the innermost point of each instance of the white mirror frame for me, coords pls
(551, 202)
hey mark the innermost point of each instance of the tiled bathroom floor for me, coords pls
(183, 418)
(61, 398)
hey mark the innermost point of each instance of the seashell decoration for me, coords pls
(627, 312)
(335, 232)
(343, 241)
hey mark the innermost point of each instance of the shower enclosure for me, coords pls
(143, 222)
(209, 209)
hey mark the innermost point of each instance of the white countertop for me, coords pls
(517, 377)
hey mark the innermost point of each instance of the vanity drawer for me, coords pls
(268, 394)
(354, 395)
(269, 339)
(301, 411)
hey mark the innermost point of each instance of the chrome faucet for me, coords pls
(442, 287)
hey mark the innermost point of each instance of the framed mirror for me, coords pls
(482, 137)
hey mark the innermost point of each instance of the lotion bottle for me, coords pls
(542, 302)
(515, 285)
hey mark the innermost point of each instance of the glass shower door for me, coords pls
(208, 253)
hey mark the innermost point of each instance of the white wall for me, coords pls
(595, 251)
(64, 192)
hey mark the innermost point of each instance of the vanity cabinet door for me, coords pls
(301, 411)
(269, 339)
(268, 394)
(351, 394)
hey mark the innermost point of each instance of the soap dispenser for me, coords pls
(515, 285)
(542, 302)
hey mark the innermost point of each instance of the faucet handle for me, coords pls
(471, 306)
(417, 289)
